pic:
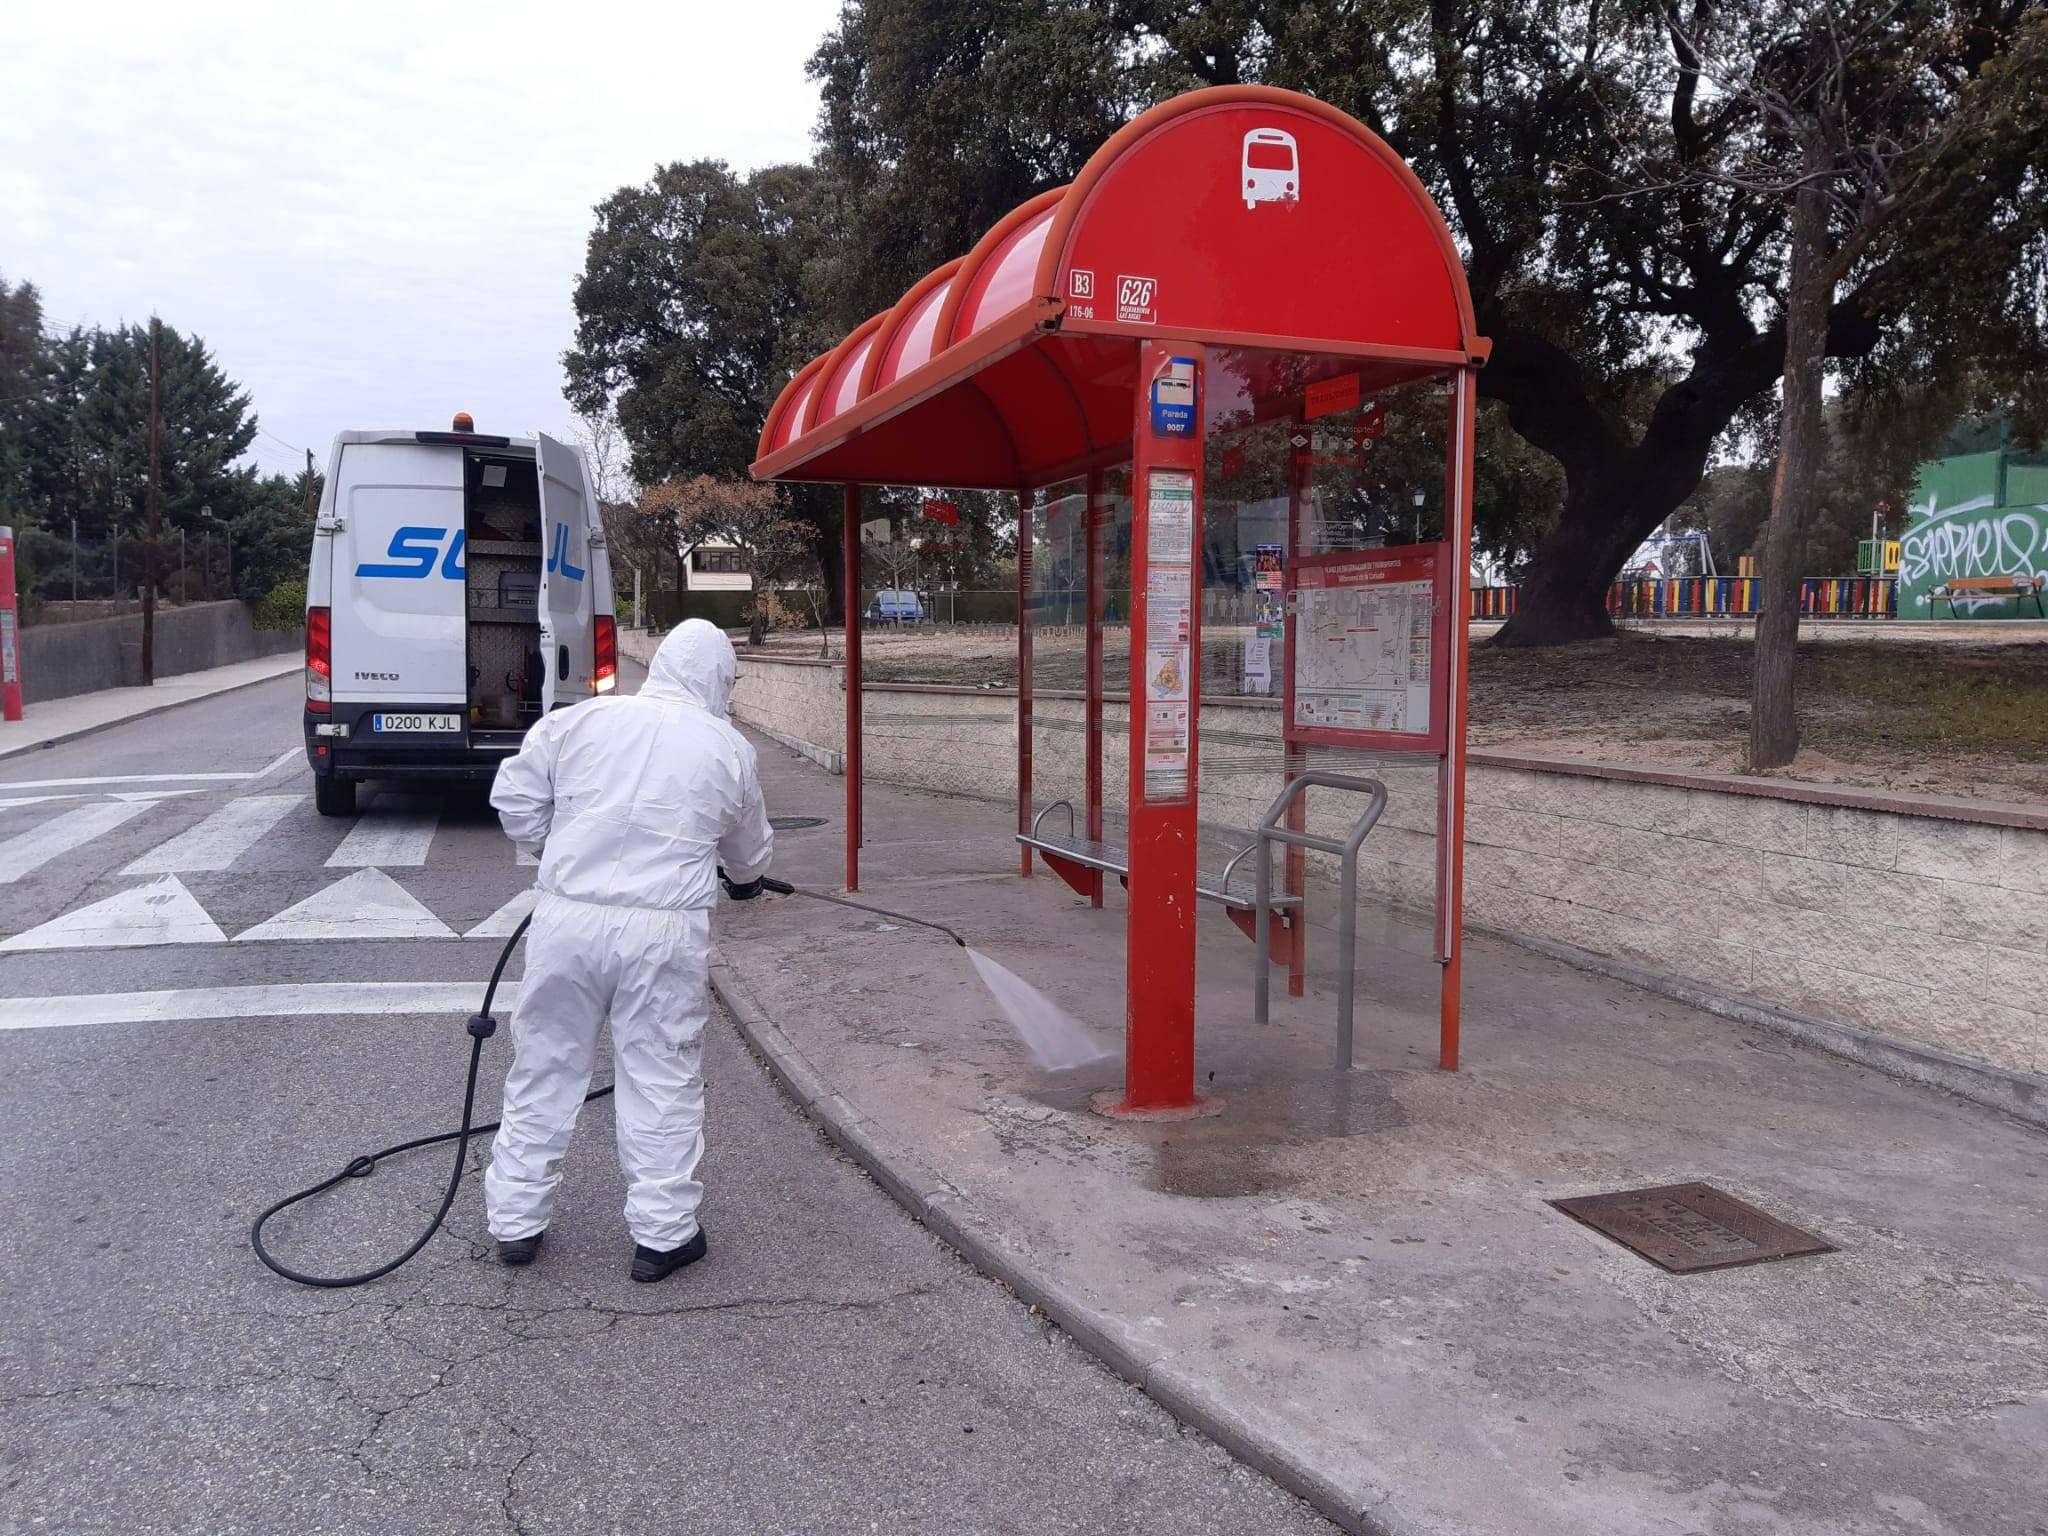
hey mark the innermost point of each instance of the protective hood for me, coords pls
(695, 665)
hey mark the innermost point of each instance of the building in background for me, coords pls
(715, 568)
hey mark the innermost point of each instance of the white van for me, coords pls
(459, 590)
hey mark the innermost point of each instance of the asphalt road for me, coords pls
(829, 1368)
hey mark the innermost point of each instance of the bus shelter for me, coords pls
(1228, 374)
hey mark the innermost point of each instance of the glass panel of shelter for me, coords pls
(1364, 473)
(1368, 472)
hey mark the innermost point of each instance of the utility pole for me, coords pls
(309, 482)
(74, 567)
(156, 413)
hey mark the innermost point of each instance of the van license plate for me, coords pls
(415, 722)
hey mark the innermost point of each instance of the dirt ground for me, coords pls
(1951, 714)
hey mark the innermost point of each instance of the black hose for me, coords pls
(481, 1027)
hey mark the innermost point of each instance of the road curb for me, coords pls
(1190, 1397)
(143, 714)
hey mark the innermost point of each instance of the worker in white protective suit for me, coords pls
(638, 802)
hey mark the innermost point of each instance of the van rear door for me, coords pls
(397, 598)
(566, 602)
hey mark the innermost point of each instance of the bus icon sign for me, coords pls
(1270, 167)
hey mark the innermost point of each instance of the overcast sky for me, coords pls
(374, 214)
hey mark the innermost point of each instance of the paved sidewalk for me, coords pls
(1356, 1282)
(57, 720)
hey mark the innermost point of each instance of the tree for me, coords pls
(1855, 119)
(1630, 333)
(741, 515)
(74, 435)
(702, 292)
(270, 526)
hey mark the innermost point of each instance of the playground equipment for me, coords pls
(1243, 288)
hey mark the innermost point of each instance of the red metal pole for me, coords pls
(1294, 877)
(1026, 531)
(1091, 526)
(849, 517)
(1450, 821)
(10, 632)
(1159, 960)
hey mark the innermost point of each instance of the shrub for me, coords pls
(283, 607)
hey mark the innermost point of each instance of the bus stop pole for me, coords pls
(1091, 525)
(1026, 530)
(1166, 689)
(10, 632)
(1294, 760)
(1451, 772)
(849, 518)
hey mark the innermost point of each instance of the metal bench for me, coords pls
(1253, 909)
(1212, 883)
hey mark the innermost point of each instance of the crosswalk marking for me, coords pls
(130, 778)
(39, 799)
(219, 840)
(161, 912)
(367, 905)
(499, 924)
(311, 999)
(24, 855)
(393, 833)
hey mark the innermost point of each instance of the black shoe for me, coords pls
(519, 1250)
(651, 1264)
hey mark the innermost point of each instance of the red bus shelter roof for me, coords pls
(1256, 221)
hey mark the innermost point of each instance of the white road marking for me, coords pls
(39, 799)
(531, 860)
(24, 855)
(221, 839)
(367, 905)
(500, 923)
(162, 912)
(130, 778)
(396, 833)
(152, 794)
(333, 999)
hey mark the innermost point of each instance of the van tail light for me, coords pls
(604, 677)
(319, 661)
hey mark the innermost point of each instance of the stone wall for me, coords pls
(1920, 923)
(60, 660)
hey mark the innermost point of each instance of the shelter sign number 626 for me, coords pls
(1137, 299)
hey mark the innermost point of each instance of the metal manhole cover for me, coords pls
(1690, 1227)
(795, 823)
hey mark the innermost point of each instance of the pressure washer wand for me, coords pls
(784, 888)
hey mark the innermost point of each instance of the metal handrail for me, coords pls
(1235, 859)
(1048, 811)
(1271, 832)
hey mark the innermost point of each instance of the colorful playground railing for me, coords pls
(1734, 597)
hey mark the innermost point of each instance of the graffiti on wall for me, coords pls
(1970, 538)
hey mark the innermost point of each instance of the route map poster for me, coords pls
(1169, 633)
(1369, 645)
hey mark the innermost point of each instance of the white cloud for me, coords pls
(374, 214)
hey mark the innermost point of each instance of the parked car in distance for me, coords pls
(896, 607)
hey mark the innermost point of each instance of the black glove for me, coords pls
(738, 890)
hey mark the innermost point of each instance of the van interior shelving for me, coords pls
(502, 555)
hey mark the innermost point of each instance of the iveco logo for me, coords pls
(376, 677)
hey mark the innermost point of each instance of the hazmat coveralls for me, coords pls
(638, 801)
